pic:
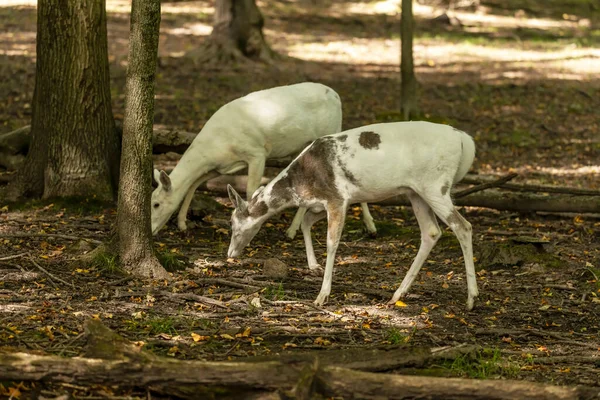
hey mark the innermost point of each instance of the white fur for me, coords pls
(270, 123)
(419, 159)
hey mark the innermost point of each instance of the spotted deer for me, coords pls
(419, 159)
(271, 123)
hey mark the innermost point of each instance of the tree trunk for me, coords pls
(408, 88)
(74, 146)
(236, 36)
(133, 218)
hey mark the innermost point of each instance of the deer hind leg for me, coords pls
(430, 234)
(298, 218)
(445, 210)
(181, 217)
(368, 219)
(310, 217)
(336, 215)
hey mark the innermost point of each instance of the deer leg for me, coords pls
(336, 214)
(298, 218)
(310, 217)
(181, 217)
(368, 219)
(256, 170)
(445, 210)
(430, 233)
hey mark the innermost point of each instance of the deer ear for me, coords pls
(156, 176)
(165, 180)
(236, 199)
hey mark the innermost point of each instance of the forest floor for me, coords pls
(522, 80)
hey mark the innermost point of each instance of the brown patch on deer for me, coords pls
(342, 138)
(311, 175)
(369, 140)
(258, 210)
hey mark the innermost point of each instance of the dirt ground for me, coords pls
(521, 79)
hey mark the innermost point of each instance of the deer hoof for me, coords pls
(291, 233)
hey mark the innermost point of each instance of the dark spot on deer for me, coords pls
(342, 138)
(349, 175)
(259, 209)
(369, 140)
(445, 188)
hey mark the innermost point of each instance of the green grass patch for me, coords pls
(106, 263)
(483, 364)
(275, 292)
(394, 335)
(171, 260)
(157, 325)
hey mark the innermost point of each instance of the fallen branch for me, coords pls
(484, 186)
(113, 361)
(491, 198)
(475, 180)
(226, 379)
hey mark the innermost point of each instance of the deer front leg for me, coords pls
(336, 214)
(256, 169)
(181, 217)
(309, 219)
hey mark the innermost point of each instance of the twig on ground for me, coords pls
(237, 285)
(56, 235)
(483, 186)
(49, 274)
(13, 256)
(194, 297)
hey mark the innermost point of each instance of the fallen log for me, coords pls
(15, 144)
(491, 198)
(120, 363)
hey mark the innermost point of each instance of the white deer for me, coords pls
(420, 159)
(271, 123)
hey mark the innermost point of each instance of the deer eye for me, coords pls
(156, 205)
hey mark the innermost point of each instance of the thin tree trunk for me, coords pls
(237, 35)
(74, 148)
(408, 88)
(133, 219)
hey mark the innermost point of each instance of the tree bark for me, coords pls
(133, 213)
(237, 35)
(74, 146)
(408, 89)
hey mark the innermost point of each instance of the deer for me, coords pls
(421, 160)
(268, 124)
